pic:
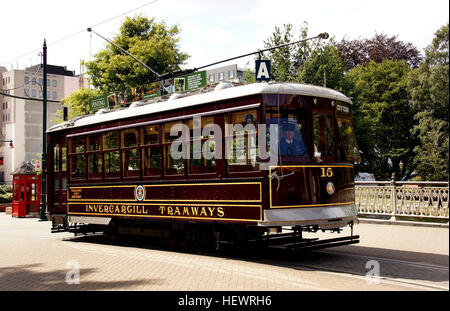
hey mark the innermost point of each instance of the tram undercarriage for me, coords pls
(216, 236)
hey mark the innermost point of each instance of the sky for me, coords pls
(210, 30)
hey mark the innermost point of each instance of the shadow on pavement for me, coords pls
(344, 259)
(32, 278)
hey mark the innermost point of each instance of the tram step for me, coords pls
(317, 244)
(280, 239)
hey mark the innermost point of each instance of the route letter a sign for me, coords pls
(262, 70)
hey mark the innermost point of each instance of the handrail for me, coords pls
(421, 199)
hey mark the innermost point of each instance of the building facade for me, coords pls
(21, 119)
(226, 73)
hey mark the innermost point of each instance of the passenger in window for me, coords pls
(291, 143)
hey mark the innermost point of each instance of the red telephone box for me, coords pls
(26, 191)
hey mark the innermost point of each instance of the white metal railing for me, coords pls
(423, 199)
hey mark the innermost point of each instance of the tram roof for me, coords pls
(203, 98)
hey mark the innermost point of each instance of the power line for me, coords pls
(29, 98)
(78, 32)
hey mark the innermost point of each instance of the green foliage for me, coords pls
(286, 61)
(5, 194)
(429, 90)
(78, 102)
(383, 116)
(324, 67)
(155, 44)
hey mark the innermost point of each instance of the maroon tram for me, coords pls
(115, 171)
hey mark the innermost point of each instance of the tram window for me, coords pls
(56, 158)
(150, 135)
(112, 164)
(95, 166)
(173, 165)
(241, 141)
(129, 138)
(110, 141)
(152, 161)
(202, 147)
(292, 131)
(167, 138)
(64, 183)
(94, 143)
(55, 184)
(349, 140)
(78, 166)
(76, 145)
(131, 166)
(64, 159)
(323, 136)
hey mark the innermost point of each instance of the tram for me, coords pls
(193, 167)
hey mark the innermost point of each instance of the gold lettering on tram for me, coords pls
(116, 209)
(326, 173)
(191, 211)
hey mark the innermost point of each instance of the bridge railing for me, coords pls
(420, 199)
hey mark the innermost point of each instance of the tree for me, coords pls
(78, 102)
(380, 47)
(383, 116)
(324, 67)
(429, 90)
(286, 61)
(155, 44)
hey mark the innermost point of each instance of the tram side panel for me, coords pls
(230, 202)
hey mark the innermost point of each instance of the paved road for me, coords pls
(407, 259)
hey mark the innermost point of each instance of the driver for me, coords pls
(291, 144)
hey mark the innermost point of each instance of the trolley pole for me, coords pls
(43, 207)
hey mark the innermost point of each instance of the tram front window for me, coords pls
(348, 137)
(291, 140)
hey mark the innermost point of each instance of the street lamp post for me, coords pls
(43, 206)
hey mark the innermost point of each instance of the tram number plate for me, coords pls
(326, 172)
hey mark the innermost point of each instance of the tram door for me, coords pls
(59, 177)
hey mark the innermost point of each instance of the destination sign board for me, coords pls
(98, 103)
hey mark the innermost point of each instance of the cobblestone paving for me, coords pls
(31, 258)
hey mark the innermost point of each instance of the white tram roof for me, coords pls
(193, 100)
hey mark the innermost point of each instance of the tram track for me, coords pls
(387, 279)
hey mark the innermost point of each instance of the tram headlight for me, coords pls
(330, 188)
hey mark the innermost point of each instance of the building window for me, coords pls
(27, 80)
(211, 78)
(33, 81)
(54, 95)
(54, 83)
(41, 81)
(27, 92)
(221, 76)
(40, 93)
(48, 82)
(33, 93)
(231, 74)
